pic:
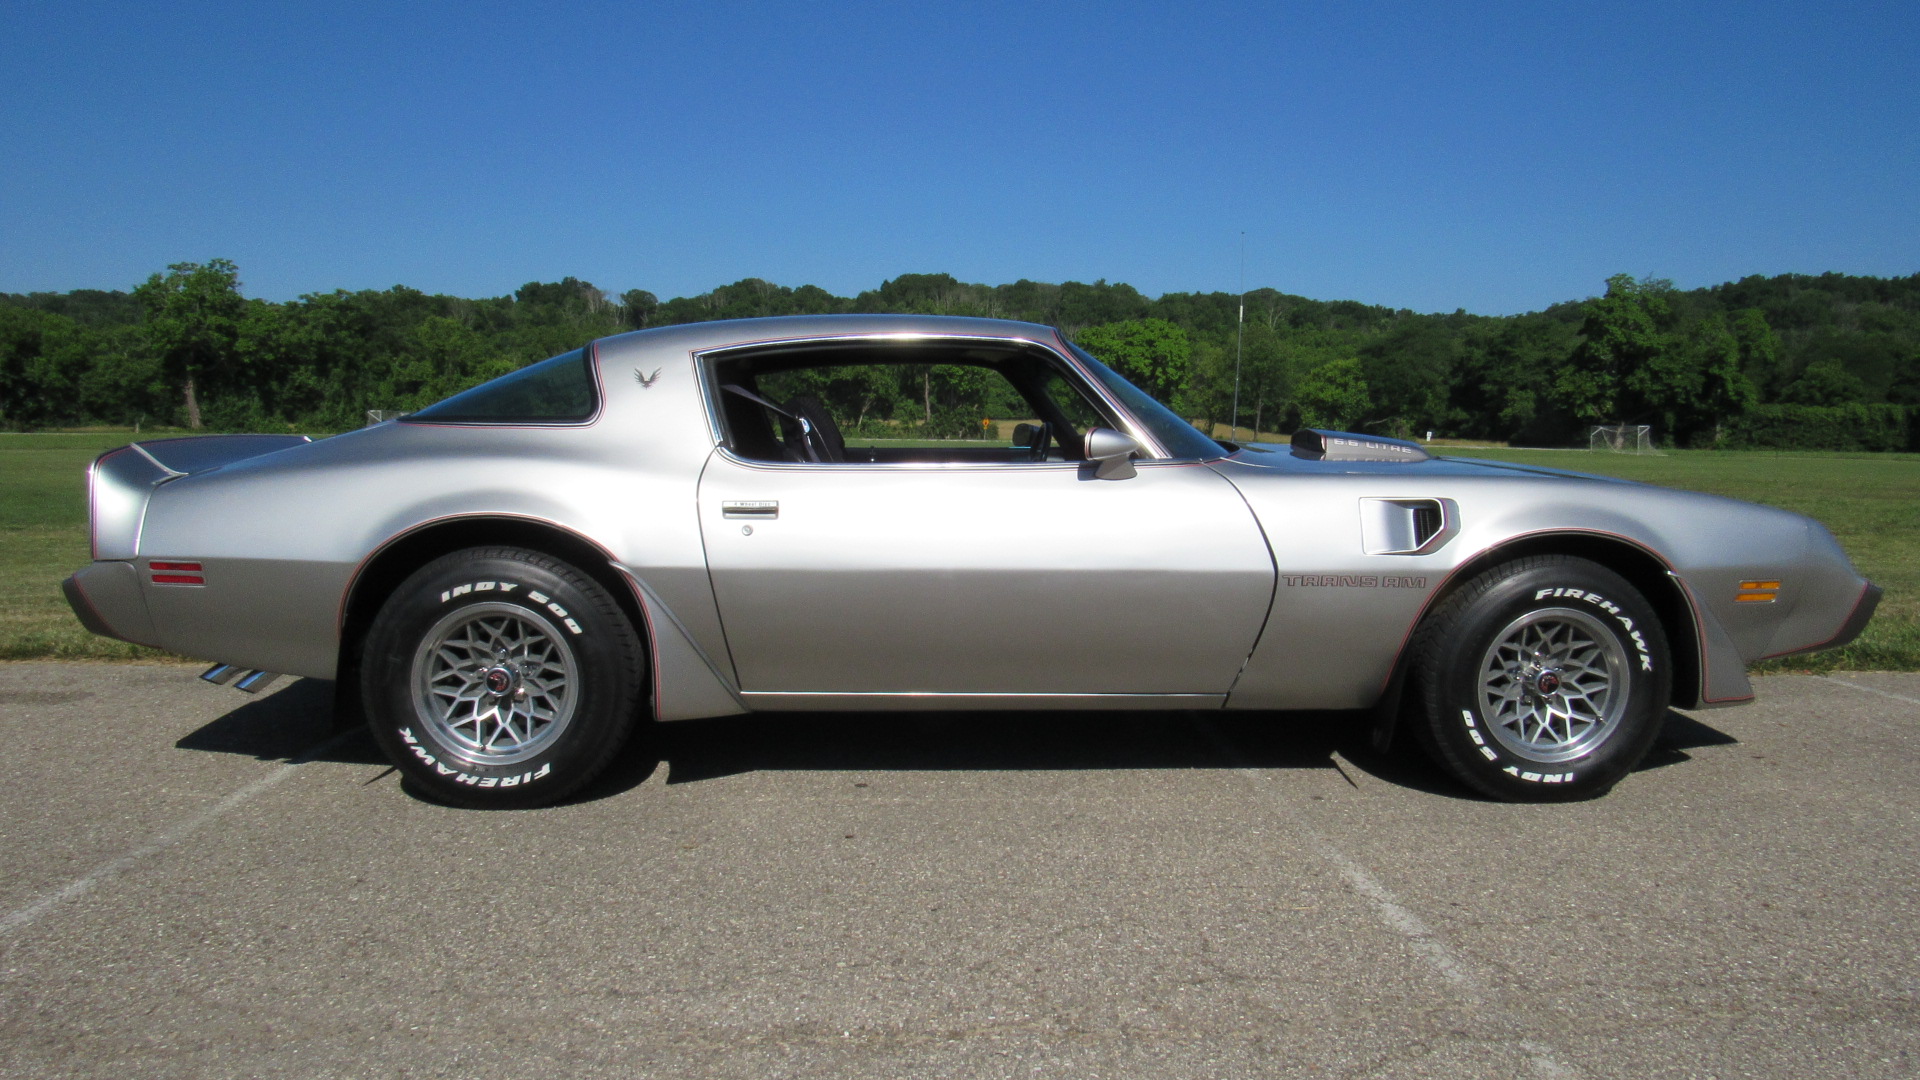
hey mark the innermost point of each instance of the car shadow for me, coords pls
(296, 723)
(705, 749)
(1680, 734)
(301, 722)
(697, 751)
(1408, 766)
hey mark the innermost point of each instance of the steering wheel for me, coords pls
(1043, 435)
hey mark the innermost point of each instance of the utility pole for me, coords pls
(1240, 333)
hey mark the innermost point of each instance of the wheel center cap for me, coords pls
(499, 680)
(1547, 683)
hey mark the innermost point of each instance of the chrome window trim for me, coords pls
(596, 382)
(1074, 352)
(1132, 427)
(925, 466)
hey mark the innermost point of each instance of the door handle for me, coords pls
(750, 509)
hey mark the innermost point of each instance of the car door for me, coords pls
(981, 579)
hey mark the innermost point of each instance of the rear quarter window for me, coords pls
(559, 390)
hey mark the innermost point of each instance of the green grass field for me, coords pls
(43, 538)
(1870, 501)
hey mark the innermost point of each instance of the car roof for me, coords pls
(701, 336)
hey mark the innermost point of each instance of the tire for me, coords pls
(1544, 679)
(500, 678)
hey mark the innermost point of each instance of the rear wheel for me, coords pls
(1546, 678)
(498, 677)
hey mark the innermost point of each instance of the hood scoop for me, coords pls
(1316, 445)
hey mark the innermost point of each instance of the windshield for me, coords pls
(1179, 437)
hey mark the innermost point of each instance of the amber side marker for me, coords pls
(1757, 592)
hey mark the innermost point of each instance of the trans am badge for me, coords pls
(1354, 581)
(646, 381)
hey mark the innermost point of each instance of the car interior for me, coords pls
(901, 402)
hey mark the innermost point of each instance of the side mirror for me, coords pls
(1024, 434)
(1112, 452)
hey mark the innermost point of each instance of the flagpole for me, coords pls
(1239, 334)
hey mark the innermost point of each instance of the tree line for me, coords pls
(187, 348)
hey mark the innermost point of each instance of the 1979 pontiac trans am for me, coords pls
(670, 524)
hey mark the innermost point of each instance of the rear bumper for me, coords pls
(106, 598)
(83, 608)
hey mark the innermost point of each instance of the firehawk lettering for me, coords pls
(1611, 608)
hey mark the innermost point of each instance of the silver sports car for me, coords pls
(712, 519)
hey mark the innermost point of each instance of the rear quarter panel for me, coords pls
(282, 539)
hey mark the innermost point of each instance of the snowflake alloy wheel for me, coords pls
(1554, 684)
(496, 683)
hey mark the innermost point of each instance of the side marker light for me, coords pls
(176, 573)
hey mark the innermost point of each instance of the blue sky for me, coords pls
(1493, 157)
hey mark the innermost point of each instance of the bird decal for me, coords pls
(646, 381)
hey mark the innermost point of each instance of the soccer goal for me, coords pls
(1622, 438)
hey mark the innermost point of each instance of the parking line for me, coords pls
(1871, 690)
(1399, 919)
(20, 919)
(1448, 964)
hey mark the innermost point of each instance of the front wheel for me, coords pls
(1546, 678)
(496, 677)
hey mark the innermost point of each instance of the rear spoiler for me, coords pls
(198, 453)
(120, 481)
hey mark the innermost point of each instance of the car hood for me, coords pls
(1281, 458)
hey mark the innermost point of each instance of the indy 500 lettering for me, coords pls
(1488, 752)
(534, 595)
(477, 586)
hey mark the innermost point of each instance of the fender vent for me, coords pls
(1426, 523)
(1406, 526)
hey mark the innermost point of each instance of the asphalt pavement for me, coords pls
(194, 883)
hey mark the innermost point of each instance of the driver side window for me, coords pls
(962, 403)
